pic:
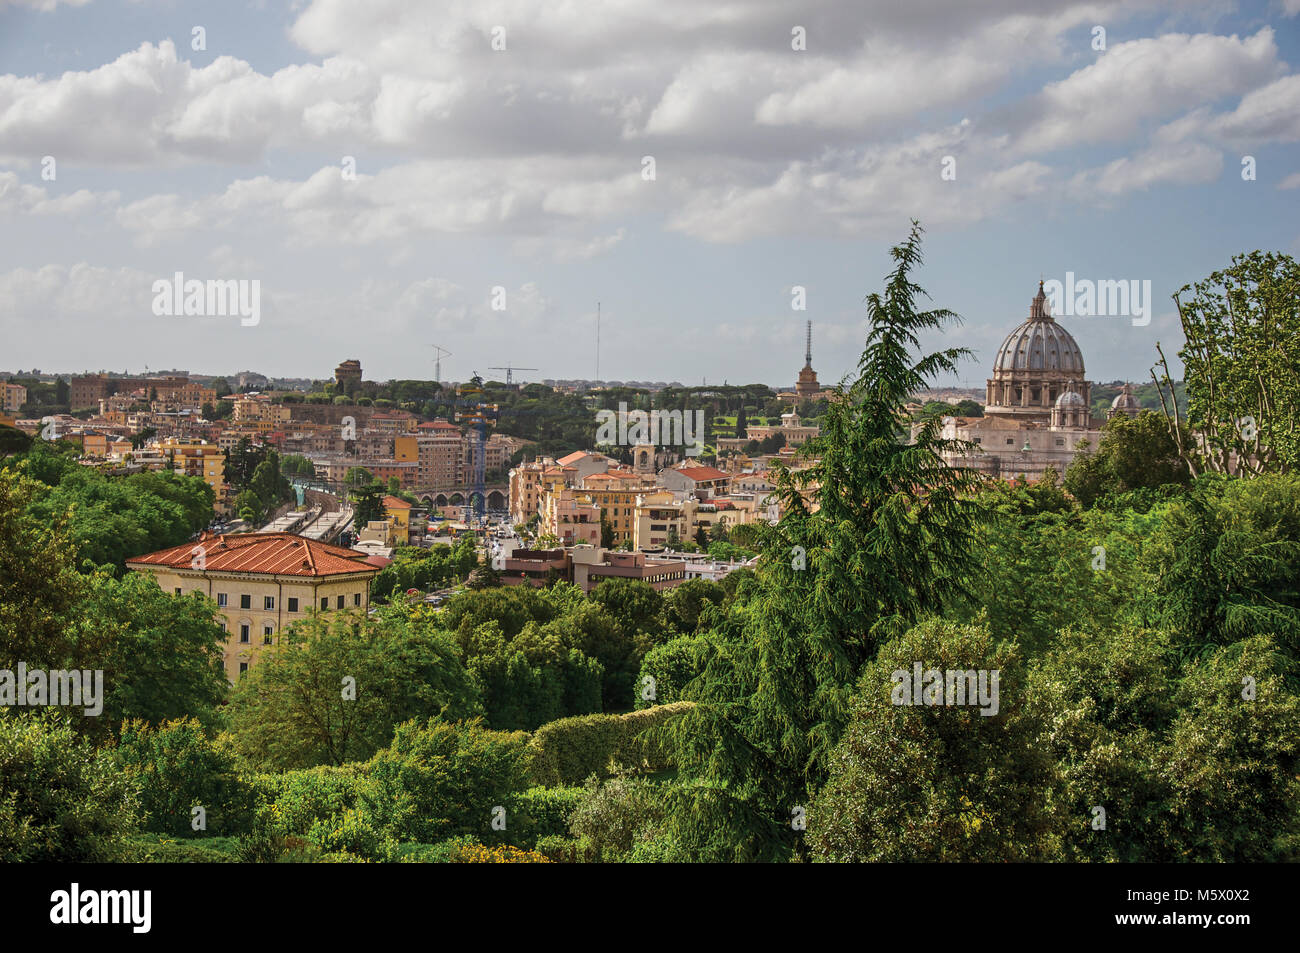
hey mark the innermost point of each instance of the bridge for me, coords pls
(498, 496)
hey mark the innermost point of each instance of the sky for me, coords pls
(478, 174)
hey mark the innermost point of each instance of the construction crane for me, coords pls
(510, 371)
(437, 361)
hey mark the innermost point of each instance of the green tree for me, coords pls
(161, 655)
(1134, 453)
(248, 506)
(367, 505)
(928, 782)
(335, 687)
(39, 584)
(889, 542)
(242, 461)
(684, 605)
(531, 678)
(1223, 564)
(1241, 365)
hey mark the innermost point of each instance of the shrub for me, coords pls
(672, 666)
(571, 750)
(615, 816)
(348, 832)
(293, 807)
(560, 849)
(156, 849)
(463, 850)
(176, 768)
(548, 810)
(439, 780)
(60, 799)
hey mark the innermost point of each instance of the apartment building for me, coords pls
(570, 520)
(12, 397)
(530, 482)
(440, 451)
(200, 459)
(262, 583)
(587, 567)
(260, 410)
(663, 514)
(703, 482)
(86, 390)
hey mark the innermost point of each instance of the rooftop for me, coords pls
(271, 554)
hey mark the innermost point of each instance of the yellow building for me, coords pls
(262, 583)
(406, 448)
(662, 513)
(249, 410)
(617, 507)
(198, 458)
(12, 397)
(398, 514)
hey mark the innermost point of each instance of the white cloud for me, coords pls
(1269, 114)
(1143, 79)
(16, 197)
(1174, 164)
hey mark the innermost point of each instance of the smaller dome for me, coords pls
(1069, 399)
(1125, 400)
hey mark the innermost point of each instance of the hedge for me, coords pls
(548, 811)
(570, 750)
(157, 849)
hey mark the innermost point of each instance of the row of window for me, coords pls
(268, 602)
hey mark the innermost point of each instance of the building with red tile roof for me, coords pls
(262, 583)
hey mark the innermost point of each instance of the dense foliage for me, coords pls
(1141, 616)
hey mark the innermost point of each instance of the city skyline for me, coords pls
(388, 177)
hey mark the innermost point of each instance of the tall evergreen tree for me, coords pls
(889, 541)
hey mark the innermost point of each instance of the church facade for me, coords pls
(1037, 410)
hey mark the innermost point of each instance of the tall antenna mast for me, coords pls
(597, 342)
(807, 358)
(441, 352)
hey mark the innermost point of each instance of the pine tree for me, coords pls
(889, 542)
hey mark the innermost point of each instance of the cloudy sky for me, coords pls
(1025, 152)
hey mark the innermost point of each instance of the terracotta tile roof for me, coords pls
(272, 554)
(393, 502)
(701, 473)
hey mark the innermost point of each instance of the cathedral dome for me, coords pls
(1039, 344)
(1038, 362)
(1124, 403)
(1070, 399)
(1125, 400)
